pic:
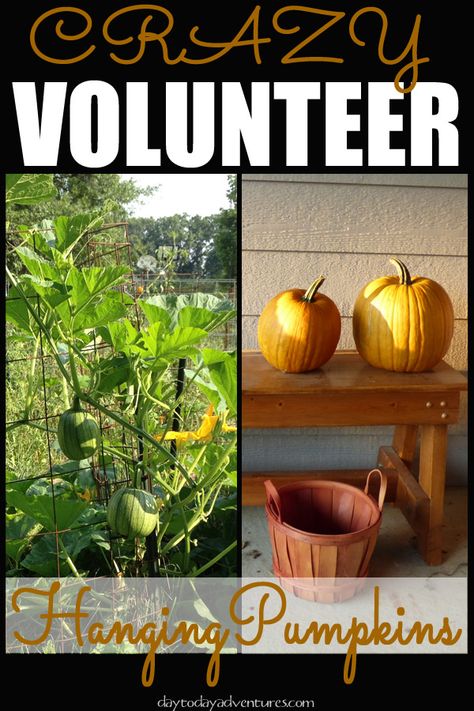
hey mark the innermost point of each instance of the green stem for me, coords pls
(402, 270)
(20, 423)
(69, 561)
(214, 560)
(311, 291)
(213, 474)
(74, 376)
(65, 393)
(117, 453)
(187, 541)
(31, 379)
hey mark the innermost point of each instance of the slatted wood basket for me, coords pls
(323, 532)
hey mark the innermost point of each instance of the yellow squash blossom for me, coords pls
(204, 431)
(202, 434)
(225, 426)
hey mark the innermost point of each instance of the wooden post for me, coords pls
(432, 480)
(404, 442)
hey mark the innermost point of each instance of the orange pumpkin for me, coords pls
(403, 323)
(299, 330)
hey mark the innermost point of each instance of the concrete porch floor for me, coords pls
(395, 554)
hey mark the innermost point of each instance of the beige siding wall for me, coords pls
(295, 227)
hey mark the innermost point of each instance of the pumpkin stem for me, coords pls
(76, 404)
(402, 270)
(311, 291)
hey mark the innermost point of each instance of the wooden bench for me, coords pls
(348, 392)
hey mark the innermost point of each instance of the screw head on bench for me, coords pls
(442, 403)
(444, 415)
(429, 404)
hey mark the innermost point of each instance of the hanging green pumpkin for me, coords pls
(132, 512)
(78, 433)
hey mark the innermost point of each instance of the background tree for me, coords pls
(82, 192)
(201, 245)
(225, 240)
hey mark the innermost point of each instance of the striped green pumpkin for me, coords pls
(78, 433)
(132, 513)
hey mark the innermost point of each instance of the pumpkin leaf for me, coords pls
(100, 314)
(154, 313)
(18, 529)
(179, 343)
(29, 189)
(45, 510)
(222, 367)
(17, 311)
(203, 318)
(42, 559)
(69, 230)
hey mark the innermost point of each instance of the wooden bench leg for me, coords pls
(432, 477)
(404, 442)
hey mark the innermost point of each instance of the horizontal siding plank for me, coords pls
(346, 275)
(424, 180)
(309, 217)
(286, 239)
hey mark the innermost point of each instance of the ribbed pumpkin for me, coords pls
(78, 433)
(299, 330)
(403, 323)
(132, 512)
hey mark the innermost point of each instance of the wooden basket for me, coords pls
(322, 532)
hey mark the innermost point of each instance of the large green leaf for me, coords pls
(99, 279)
(152, 338)
(45, 510)
(42, 559)
(180, 343)
(203, 318)
(37, 265)
(222, 367)
(11, 180)
(106, 311)
(154, 313)
(17, 311)
(29, 189)
(112, 372)
(18, 529)
(173, 304)
(120, 335)
(52, 293)
(69, 230)
(87, 283)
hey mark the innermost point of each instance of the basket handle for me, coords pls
(273, 498)
(383, 486)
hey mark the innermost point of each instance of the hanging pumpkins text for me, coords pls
(78, 433)
(403, 323)
(299, 330)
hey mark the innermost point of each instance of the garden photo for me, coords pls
(121, 395)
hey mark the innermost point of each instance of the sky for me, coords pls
(194, 193)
